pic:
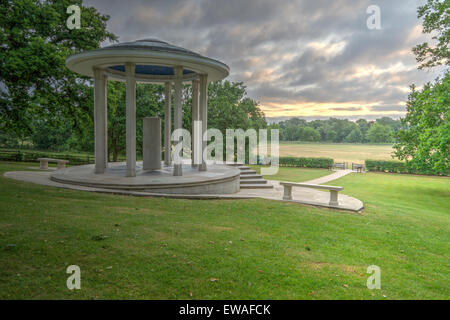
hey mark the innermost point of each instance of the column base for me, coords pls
(177, 170)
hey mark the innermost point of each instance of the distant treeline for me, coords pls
(339, 130)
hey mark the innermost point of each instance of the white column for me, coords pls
(178, 112)
(100, 121)
(195, 117)
(203, 114)
(167, 123)
(130, 119)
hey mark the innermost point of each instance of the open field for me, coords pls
(132, 248)
(340, 152)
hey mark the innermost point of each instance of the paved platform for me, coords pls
(221, 179)
(300, 195)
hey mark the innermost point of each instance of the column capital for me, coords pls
(178, 72)
(99, 74)
(130, 68)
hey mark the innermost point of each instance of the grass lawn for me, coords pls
(130, 247)
(294, 174)
(340, 152)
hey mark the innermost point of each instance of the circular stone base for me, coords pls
(219, 179)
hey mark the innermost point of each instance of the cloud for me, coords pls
(295, 56)
(387, 108)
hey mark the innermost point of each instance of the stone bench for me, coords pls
(43, 163)
(333, 190)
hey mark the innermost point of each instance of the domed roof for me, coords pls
(151, 44)
(154, 61)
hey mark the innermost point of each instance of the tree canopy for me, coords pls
(436, 21)
(339, 130)
(34, 82)
(424, 140)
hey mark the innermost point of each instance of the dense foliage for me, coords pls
(34, 82)
(399, 167)
(424, 140)
(386, 166)
(339, 130)
(436, 21)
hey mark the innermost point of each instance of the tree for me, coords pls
(34, 43)
(436, 21)
(424, 140)
(48, 137)
(354, 136)
(379, 133)
(229, 107)
(310, 134)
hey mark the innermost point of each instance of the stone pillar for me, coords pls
(178, 112)
(287, 193)
(195, 117)
(167, 123)
(151, 143)
(100, 121)
(130, 119)
(203, 115)
(334, 198)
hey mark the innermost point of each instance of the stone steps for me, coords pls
(249, 179)
(250, 176)
(256, 186)
(248, 172)
(253, 181)
(234, 164)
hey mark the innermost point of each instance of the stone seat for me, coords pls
(43, 163)
(333, 190)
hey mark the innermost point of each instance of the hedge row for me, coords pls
(397, 167)
(386, 166)
(306, 162)
(30, 156)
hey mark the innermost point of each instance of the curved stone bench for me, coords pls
(333, 190)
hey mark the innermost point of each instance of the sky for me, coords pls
(305, 58)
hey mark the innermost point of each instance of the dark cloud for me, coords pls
(387, 108)
(291, 53)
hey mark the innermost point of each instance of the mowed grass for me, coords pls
(294, 174)
(340, 152)
(155, 248)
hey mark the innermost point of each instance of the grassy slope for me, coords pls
(348, 152)
(166, 248)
